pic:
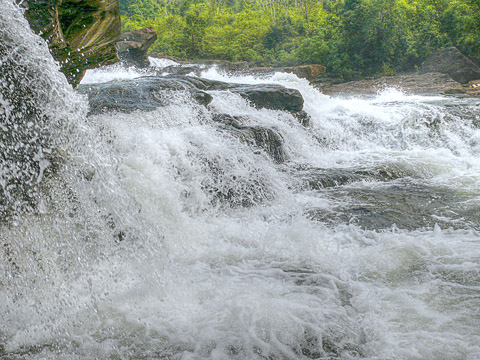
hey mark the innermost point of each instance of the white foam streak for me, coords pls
(114, 72)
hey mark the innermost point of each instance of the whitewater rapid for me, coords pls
(364, 244)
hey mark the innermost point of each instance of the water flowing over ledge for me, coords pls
(171, 234)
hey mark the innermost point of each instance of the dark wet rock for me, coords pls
(452, 62)
(133, 46)
(269, 140)
(199, 83)
(303, 118)
(309, 72)
(182, 70)
(317, 178)
(402, 203)
(222, 65)
(81, 33)
(144, 93)
(454, 91)
(165, 56)
(411, 83)
(229, 120)
(227, 187)
(263, 96)
(273, 97)
(202, 97)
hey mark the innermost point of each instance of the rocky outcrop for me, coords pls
(262, 96)
(144, 94)
(412, 83)
(183, 69)
(476, 60)
(269, 140)
(309, 72)
(318, 178)
(133, 46)
(273, 97)
(81, 33)
(452, 62)
(165, 56)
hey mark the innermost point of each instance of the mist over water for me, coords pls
(162, 236)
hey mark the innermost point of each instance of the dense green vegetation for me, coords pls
(351, 37)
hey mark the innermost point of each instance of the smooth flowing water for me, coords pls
(162, 236)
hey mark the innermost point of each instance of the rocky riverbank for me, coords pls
(412, 83)
(424, 82)
(445, 72)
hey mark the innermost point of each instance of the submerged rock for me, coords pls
(402, 203)
(133, 46)
(81, 33)
(269, 140)
(317, 178)
(452, 62)
(303, 118)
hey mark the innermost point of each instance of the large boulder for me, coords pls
(267, 139)
(269, 96)
(133, 46)
(309, 72)
(476, 60)
(148, 93)
(81, 33)
(143, 94)
(262, 96)
(452, 62)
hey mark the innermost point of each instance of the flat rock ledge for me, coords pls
(410, 83)
(145, 94)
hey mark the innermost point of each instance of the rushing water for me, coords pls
(161, 236)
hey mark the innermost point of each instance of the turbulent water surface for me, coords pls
(163, 236)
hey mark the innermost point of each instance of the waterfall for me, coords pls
(228, 231)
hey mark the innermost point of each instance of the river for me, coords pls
(162, 236)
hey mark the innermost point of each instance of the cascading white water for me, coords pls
(162, 236)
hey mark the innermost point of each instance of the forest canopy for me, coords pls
(351, 38)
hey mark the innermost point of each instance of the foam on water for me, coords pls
(161, 63)
(164, 236)
(114, 72)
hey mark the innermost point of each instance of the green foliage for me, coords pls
(351, 37)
